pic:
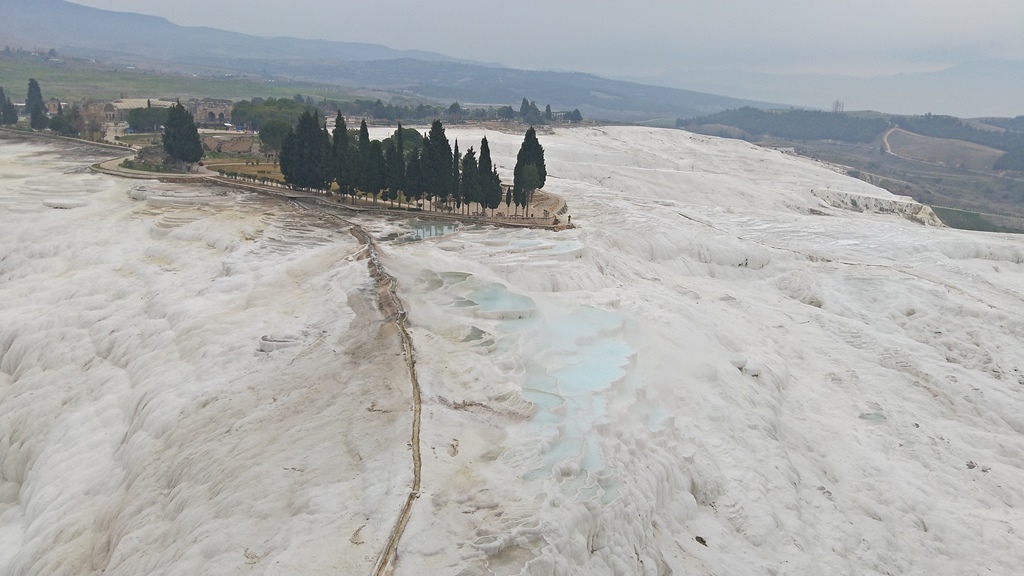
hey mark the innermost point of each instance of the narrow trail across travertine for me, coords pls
(391, 305)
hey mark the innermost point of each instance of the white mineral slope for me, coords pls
(734, 344)
(585, 411)
(142, 429)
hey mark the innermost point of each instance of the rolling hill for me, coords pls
(135, 39)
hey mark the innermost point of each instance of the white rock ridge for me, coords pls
(726, 368)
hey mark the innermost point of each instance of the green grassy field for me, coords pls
(147, 139)
(238, 165)
(72, 80)
(964, 220)
(953, 153)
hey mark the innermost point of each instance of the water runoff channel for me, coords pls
(393, 310)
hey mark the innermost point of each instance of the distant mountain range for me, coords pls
(81, 31)
(970, 89)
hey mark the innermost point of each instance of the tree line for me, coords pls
(70, 124)
(258, 112)
(952, 127)
(794, 124)
(407, 166)
(1009, 140)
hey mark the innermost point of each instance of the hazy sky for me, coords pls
(641, 37)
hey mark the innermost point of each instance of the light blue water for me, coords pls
(578, 357)
(494, 297)
(424, 229)
(583, 355)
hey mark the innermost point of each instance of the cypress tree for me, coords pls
(530, 171)
(341, 150)
(289, 157)
(470, 183)
(393, 171)
(425, 163)
(400, 146)
(306, 159)
(34, 96)
(376, 172)
(437, 164)
(8, 113)
(492, 193)
(37, 118)
(413, 187)
(363, 176)
(484, 172)
(181, 137)
(455, 187)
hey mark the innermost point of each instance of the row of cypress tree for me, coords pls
(65, 124)
(407, 166)
(8, 112)
(35, 107)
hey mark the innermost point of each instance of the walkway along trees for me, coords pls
(408, 165)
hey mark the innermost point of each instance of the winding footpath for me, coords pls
(392, 307)
(388, 302)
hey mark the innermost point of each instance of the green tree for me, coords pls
(258, 112)
(394, 159)
(575, 116)
(413, 176)
(529, 112)
(484, 177)
(272, 133)
(146, 119)
(492, 194)
(470, 184)
(75, 121)
(181, 137)
(59, 124)
(306, 159)
(547, 112)
(400, 147)
(363, 170)
(8, 112)
(394, 171)
(34, 97)
(455, 112)
(376, 172)
(530, 172)
(1012, 160)
(437, 163)
(455, 187)
(37, 117)
(341, 149)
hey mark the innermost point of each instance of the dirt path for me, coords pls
(391, 306)
(885, 138)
